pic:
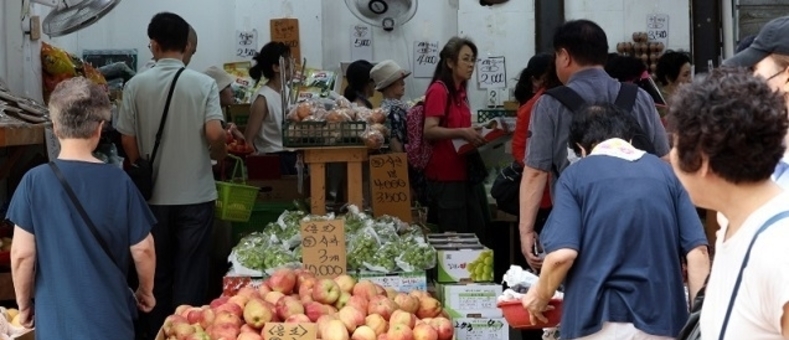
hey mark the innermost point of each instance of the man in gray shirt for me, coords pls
(184, 192)
(581, 49)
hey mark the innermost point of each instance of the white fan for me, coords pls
(69, 16)
(386, 14)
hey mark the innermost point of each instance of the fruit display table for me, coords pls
(316, 159)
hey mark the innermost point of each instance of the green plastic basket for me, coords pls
(235, 200)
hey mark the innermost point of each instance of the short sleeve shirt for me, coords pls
(182, 167)
(74, 277)
(396, 111)
(631, 223)
(445, 164)
(549, 128)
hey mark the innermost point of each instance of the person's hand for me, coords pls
(527, 248)
(233, 129)
(473, 136)
(535, 305)
(27, 316)
(145, 300)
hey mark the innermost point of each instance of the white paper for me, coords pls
(426, 56)
(246, 44)
(361, 42)
(52, 143)
(657, 28)
(491, 73)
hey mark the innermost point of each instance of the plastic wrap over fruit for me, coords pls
(362, 245)
(416, 255)
(384, 260)
(56, 61)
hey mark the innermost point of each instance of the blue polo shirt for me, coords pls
(631, 223)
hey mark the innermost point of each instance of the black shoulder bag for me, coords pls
(132, 300)
(141, 172)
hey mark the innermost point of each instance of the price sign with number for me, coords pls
(657, 28)
(323, 247)
(426, 56)
(287, 32)
(289, 331)
(491, 73)
(246, 44)
(390, 188)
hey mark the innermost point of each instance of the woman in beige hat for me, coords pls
(223, 82)
(389, 79)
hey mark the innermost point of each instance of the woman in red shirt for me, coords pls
(454, 201)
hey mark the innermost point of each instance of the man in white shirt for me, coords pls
(191, 49)
(184, 192)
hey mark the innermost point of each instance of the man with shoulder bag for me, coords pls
(172, 115)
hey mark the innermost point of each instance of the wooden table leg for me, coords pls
(355, 189)
(318, 188)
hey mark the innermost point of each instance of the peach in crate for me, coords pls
(518, 317)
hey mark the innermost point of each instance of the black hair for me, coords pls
(598, 122)
(451, 52)
(745, 43)
(358, 77)
(170, 31)
(584, 40)
(625, 68)
(734, 120)
(540, 67)
(268, 57)
(669, 65)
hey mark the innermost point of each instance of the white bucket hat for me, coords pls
(387, 72)
(222, 78)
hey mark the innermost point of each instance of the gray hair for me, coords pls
(77, 107)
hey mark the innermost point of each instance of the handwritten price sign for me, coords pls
(323, 245)
(491, 73)
(426, 56)
(657, 28)
(390, 188)
(289, 331)
(246, 44)
(287, 31)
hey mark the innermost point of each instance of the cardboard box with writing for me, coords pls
(465, 300)
(401, 282)
(464, 263)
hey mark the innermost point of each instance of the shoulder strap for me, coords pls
(626, 99)
(568, 97)
(84, 214)
(164, 115)
(737, 283)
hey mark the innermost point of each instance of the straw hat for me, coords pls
(222, 78)
(387, 72)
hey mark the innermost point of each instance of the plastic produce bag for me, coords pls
(416, 255)
(383, 261)
(361, 246)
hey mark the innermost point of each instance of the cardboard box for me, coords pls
(401, 282)
(470, 300)
(460, 237)
(279, 190)
(488, 328)
(461, 263)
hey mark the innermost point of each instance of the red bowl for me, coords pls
(518, 317)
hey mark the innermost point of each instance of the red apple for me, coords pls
(407, 303)
(377, 323)
(366, 289)
(381, 305)
(227, 318)
(273, 297)
(231, 308)
(245, 328)
(326, 291)
(304, 277)
(359, 302)
(248, 292)
(402, 317)
(203, 317)
(335, 330)
(425, 332)
(181, 309)
(351, 317)
(345, 282)
(380, 290)
(256, 313)
(321, 323)
(283, 281)
(172, 320)
(224, 331)
(298, 318)
(364, 333)
(400, 332)
(263, 289)
(444, 328)
(240, 300)
(182, 330)
(249, 336)
(218, 302)
(314, 310)
(418, 294)
(288, 306)
(390, 293)
(383, 337)
(428, 308)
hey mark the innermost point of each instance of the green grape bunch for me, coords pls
(419, 256)
(361, 249)
(385, 256)
(481, 269)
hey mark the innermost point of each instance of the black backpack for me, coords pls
(626, 100)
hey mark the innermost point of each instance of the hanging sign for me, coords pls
(390, 188)
(426, 56)
(246, 44)
(657, 28)
(323, 247)
(491, 73)
(361, 42)
(287, 31)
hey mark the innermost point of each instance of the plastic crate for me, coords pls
(263, 213)
(486, 115)
(316, 134)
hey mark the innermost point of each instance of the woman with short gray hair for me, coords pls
(78, 224)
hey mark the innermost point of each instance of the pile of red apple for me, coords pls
(341, 308)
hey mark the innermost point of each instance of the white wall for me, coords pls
(506, 30)
(620, 18)
(434, 20)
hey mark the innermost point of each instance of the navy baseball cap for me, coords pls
(773, 38)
